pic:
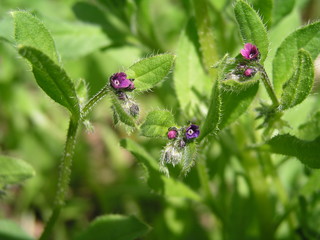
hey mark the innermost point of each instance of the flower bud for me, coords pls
(172, 133)
(249, 72)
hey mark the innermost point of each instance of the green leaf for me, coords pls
(14, 171)
(235, 103)
(30, 31)
(159, 183)
(9, 230)
(308, 38)
(281, 9)
(300, 84)
(191, 82)
(189, 157)
(150, 71)
(52, 79)
(121, 111)
(157, 123)
(306, 151)
(115, 227)
(251, 27)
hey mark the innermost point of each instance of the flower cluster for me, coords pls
(175, 150)
(245, 66)
(120, 84)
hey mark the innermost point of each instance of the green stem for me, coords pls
(206, 36)
(268, 86)
(93, 101)
(64, 177)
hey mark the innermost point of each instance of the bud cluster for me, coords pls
(174, 151)
(245, 67)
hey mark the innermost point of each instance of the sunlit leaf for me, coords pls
(157, 123)
(52, 79)
(30, 31)
(150, 71)
(300, 84)
(308, 38)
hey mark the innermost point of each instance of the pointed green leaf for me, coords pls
(121, 109)
(9, 230)
(30, 31)
(52, 79)
(251, 27)
(190, 81)
(300, 84)
(150, 71)
(306, 151)
(308, 38)
(14, 170)
(157, 123)
(189, 157)
(159, 183)
(115, 227)
(235, 103)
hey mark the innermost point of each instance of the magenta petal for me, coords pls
(119, 81)
(250, 52)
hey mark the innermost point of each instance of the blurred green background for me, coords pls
(94, 40)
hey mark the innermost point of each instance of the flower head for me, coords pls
(172, 133)
(250, 52)
(119, 81)
(249, 72)
(192, 131)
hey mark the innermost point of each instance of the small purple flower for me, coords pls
(249, 72)
(120, 82)
(172, 134)
(250, 52)
(192, 131)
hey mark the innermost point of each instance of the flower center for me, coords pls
(116, 82)
(190, 132)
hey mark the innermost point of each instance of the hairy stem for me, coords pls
(268, 86)
(64, 177)
(93, 101)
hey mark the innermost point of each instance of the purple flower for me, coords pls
(249, 72)
(250, 52)
(172, 134)
(119, 82)
(192, 131)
